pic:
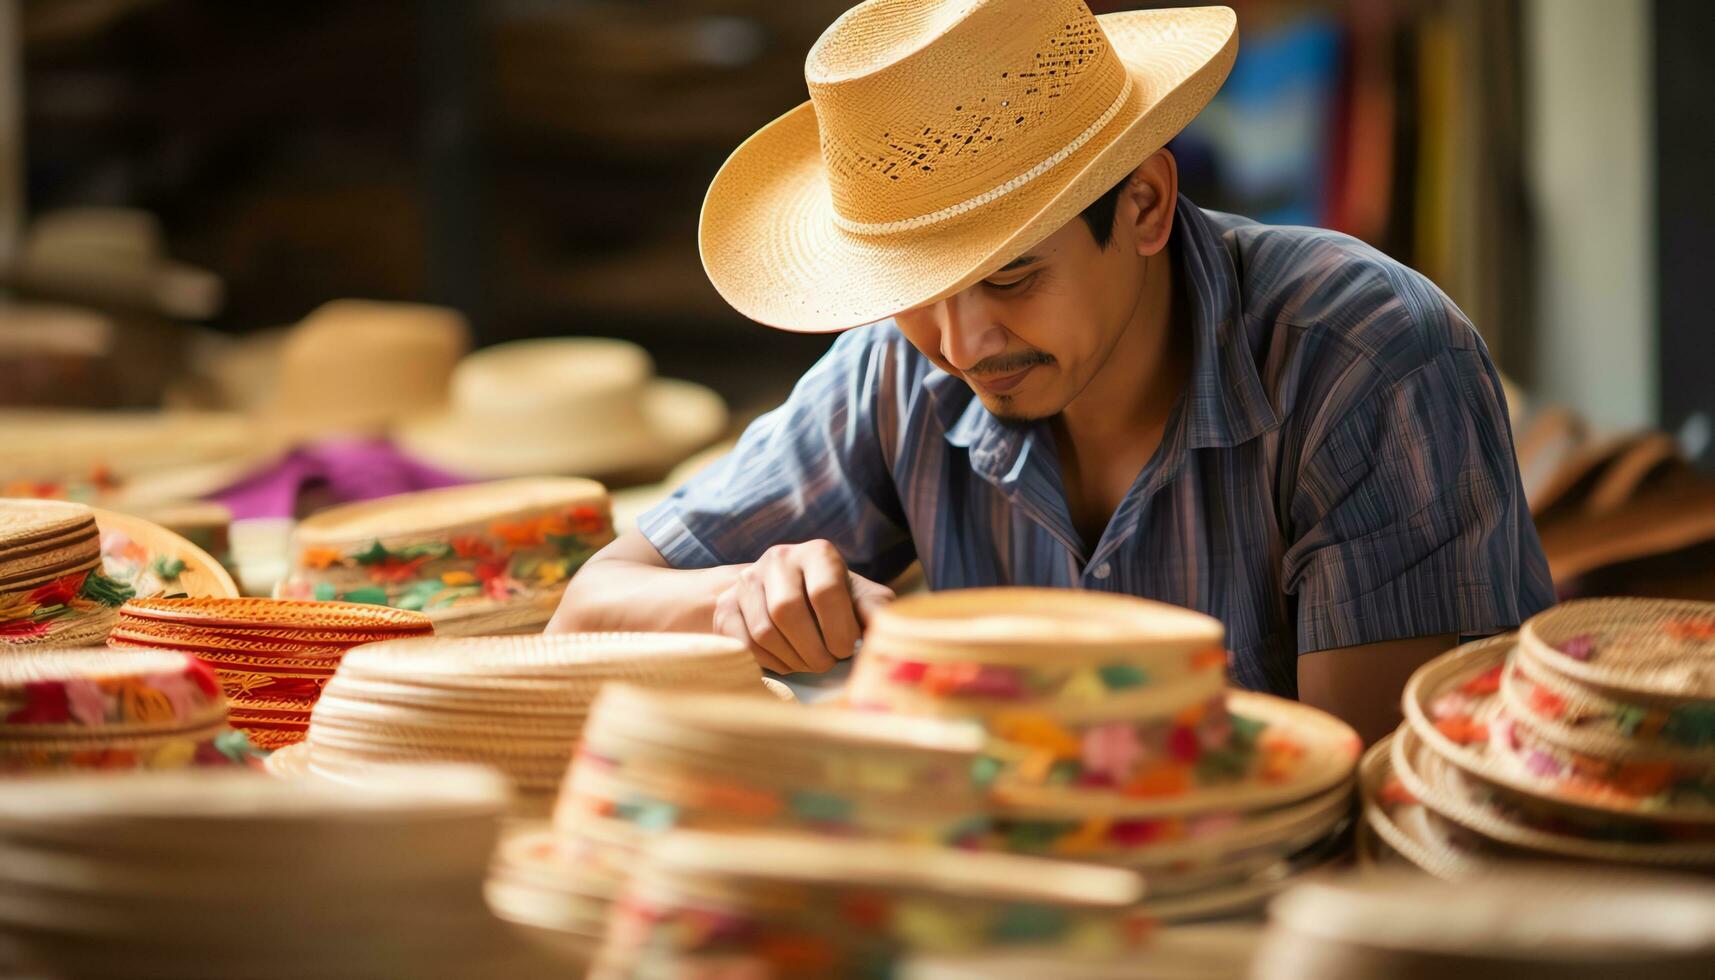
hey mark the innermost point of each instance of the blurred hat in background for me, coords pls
(355, 367)
(112, 257)
(127, 459)
(565, 406)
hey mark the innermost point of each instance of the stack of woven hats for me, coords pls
(1588, 735)
(52, 590)
(234, 874)
(517, 703)
(1521, 924)
(481, 559)
(111, 709)
(272, 655)
(654, 760)
(1120, 740)
(793, 906)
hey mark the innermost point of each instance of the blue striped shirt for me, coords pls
(1339, 469)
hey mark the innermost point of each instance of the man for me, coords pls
(1086, 381)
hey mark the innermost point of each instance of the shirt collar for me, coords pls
(1225, 403)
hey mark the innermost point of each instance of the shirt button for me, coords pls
(1103, 570)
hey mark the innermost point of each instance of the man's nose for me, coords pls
(969, 332)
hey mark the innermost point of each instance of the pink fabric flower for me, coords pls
(85, 701)
(1112, 750)
(178, 690)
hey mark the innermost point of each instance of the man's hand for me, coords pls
(798, 607)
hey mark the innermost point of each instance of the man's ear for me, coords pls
(1148, 202)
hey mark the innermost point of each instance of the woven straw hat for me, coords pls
(355, 367)
(564, 406)
(1211, 952)
(154, 561)
(128, 460)
(1107, 705)
(942, 140)
(817, 906)
(1526, 923)
(1456, 706)
(1506, 827)
(105, 709)
(1406, 829)
(52, 589)
(272, 656)
(517, 703)
(482, 559)
(123, 875)
(112, 257)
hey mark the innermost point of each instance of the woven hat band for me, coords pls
(929, 110)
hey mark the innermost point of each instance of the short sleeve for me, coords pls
(813, 468)
(1409, 516)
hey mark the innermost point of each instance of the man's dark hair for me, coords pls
(1100, 215)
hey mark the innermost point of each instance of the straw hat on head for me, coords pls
(355, 367)
(941, 140)
(564, 406)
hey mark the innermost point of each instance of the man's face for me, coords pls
(1029, 338)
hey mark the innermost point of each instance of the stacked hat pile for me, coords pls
(791, 906)
(1590, 735)
(653, 761)
(483, 559)
(517, 703)
(1521, 924)
(111, 709)
(1120, 740)
(272, 655)
(234, 874)
(52, 590)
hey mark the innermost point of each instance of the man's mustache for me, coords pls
(1004, 364)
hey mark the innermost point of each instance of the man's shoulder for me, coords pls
(1325, 293)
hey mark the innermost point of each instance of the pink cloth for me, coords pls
(331, 473)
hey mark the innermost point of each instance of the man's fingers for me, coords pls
(867, 597)
(784, 594)
(764, 635)
(728, 621)
(829, 591)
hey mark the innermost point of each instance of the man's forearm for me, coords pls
(616, 594)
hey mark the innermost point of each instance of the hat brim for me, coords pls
(683, 417)
(772, 248)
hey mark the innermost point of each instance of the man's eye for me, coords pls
(1014, 284)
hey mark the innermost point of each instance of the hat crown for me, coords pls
(930, 108)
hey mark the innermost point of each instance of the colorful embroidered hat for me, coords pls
(516, 703)
(791, 906)
(153, 561)
(52, 589)
(656, 760)
(1549, 923)
(106, 709)
(128, 461)
(1193, 952)
(1112, 712)
(272, 655)
(565, 406)
(479, 560)
(1456, 705)
(233, 874)
(357, 367)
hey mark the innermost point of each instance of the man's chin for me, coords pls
(1014, 410)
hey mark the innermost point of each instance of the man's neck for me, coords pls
(1132, 395)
